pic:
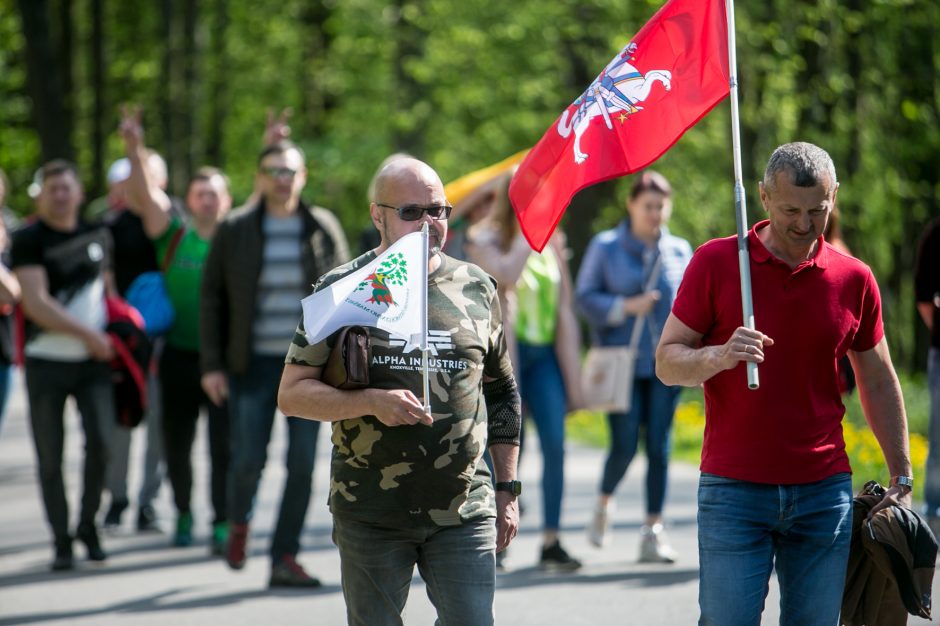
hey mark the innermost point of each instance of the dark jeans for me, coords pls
(182, 396)
(48, 385)
(932, 472)
(653, 407)
(457, 563)
(252, 402)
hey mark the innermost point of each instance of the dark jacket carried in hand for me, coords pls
(230, 279)
(891, 564)
(132, 350)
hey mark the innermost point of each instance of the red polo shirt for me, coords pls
(790, 430)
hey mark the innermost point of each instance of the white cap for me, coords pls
(119, 171)
(35, 187)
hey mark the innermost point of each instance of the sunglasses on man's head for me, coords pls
(413, 212)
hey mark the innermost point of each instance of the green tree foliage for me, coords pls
(464, 84)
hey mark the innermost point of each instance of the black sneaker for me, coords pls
(63, 557)
(88, 534)
(287, 572)
(147, 520)
(555, 559)
(113, 517)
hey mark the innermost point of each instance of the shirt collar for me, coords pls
(760, 254)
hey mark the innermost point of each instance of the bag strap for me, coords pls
(641, 319)
(171, 249)
(128, 361)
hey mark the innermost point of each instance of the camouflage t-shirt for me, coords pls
(422, 474)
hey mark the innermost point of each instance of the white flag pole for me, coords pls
(740, 202)
(424, 326)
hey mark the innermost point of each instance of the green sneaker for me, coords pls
(184, 530)
(219, 538)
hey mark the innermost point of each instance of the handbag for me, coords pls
(147, 293)
(607, 374)
(347, 367)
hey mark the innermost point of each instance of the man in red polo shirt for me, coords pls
(775, 489)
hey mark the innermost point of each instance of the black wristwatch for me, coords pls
(513, 486)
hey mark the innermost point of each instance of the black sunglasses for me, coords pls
(279, 172)
(413, 212)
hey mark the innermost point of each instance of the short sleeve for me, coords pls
(26, 248)
(870, 325)
(496, 363)
(301, 352)
(694, 303)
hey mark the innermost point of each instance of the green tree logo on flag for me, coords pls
(392, 271)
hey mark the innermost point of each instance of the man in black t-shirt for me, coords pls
(134, 254)
(927, 291)
(62, 265)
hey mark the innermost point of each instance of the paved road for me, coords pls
(147, 582)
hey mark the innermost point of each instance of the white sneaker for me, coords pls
(598, 530)
(654, 545)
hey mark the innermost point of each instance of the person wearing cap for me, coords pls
(134, 255)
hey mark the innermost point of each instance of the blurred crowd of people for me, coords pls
(235, 279)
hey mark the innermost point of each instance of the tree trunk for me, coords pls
(65, 37)
(45, 83)
(315, 101)
(408, 42)
(165, 88)
(98, 88)
(217, 81)
(188, 111)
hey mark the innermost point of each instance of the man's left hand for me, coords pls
(507, 519)
(894, 496)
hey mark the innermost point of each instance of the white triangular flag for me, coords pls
(388, 293)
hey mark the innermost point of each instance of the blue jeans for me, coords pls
(543, 392)
(653, 407)
(457, 563)
(746, 530)
(252, 402)
(6, 373)
(932, 479)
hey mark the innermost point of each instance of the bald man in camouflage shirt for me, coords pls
(409, 487)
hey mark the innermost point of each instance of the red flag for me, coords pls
(663, 82)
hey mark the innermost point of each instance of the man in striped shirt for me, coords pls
(263, 259)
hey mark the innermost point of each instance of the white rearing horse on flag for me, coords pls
(620, 87)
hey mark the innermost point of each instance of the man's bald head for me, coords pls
(405, 172)
(408, 182)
